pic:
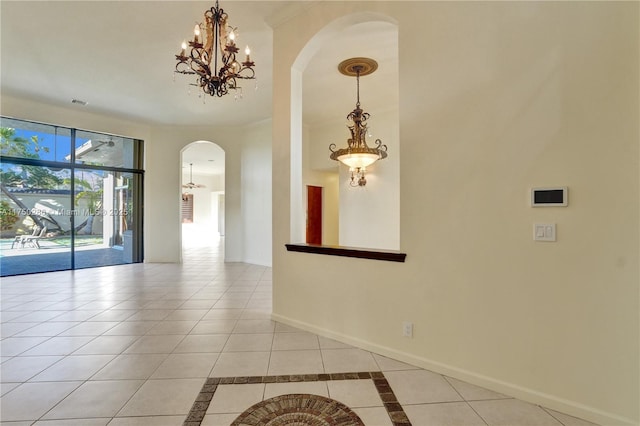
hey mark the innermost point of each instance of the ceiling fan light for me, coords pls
(192, 185)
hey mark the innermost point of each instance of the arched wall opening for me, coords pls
(202, 200)
(321, 98)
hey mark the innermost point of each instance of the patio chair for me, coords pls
(19, 238)
(33, 239)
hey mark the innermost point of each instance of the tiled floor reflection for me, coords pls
(135, 344)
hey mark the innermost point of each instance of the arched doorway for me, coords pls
(347, 214)
(202, 202)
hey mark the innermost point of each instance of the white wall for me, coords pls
(204, 208)
(370, 215)
(29, 109)
(163, 173)
(247, 169)
(327, 180)
(256, 194)
(495, 98)
(163, 145)
(221, 224)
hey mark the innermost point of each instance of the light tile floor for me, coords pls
(134, 344)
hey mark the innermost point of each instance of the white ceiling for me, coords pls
(119, 56)
(207, 159)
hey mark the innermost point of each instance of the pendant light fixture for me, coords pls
(213, 58)
(358, 155)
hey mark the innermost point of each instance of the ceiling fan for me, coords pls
(192, 185)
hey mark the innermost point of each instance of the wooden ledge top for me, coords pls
(360, 253)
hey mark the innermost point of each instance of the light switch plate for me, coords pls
(544, 232)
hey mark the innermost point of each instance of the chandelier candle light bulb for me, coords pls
(196, 34)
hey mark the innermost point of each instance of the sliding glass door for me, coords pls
(64, 208)
(106, 220)
(35, 221)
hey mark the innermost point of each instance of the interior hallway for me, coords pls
(135, 344)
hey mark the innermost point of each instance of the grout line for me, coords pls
(475, 411)
(551, 414)
(446, 379)
(324, 367)
(82, 382)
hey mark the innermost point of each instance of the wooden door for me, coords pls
(314, 214)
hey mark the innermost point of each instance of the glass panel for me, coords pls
(99, 149)
(46, 225)
(35, 217)
(23, 139)
(105, 218)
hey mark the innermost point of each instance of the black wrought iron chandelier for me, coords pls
(358, 155)
(212, 56)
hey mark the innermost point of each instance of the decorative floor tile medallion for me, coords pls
(298, 410)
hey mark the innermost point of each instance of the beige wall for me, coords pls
(256, 193)
(495, 98)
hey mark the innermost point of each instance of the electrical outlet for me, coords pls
(407, 329)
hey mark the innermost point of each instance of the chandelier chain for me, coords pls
(357, 68)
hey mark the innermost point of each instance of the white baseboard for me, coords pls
(258, 262)
(546, 400)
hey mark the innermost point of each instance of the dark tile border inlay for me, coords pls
(394, 409)
(388, 255)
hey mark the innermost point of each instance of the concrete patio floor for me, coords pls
(52, 257)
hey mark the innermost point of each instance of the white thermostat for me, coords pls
(550, 197)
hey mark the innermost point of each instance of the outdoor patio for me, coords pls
(54, 256)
